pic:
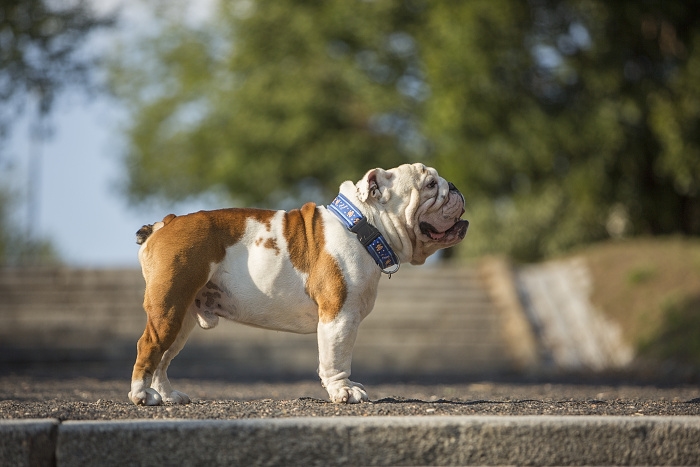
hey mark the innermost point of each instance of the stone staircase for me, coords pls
(428, 320)
(435, 318)
(57, 314)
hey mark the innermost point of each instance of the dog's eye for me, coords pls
(432, 184)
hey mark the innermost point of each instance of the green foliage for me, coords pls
(40, 45)
(552, 117)
(270, 97)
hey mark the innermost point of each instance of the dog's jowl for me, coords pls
(313, 269)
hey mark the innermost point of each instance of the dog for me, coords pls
(313, 269)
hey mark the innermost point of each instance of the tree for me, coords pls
(271, 98)
(39, 52)
(39, 56)
(566, 121)
(563, 122)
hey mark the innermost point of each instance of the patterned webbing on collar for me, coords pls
(367, 234)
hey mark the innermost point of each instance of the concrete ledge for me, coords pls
(28, 442)
(478, 440)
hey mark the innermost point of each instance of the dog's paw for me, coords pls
(148, 396)
(346, 392)
(177, 397)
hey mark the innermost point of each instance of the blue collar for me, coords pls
(367, 234)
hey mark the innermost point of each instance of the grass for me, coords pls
(651, 287)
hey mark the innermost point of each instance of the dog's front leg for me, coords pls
(335, 343)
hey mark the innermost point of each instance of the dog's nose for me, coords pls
(452, 187)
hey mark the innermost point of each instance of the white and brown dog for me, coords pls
(300, 271)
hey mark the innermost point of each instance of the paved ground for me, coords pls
(23, 397)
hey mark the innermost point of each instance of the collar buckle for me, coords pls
(366, 232)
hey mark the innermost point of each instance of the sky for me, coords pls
(79, 208)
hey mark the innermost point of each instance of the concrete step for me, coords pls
(341, 441)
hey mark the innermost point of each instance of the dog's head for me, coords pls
(415, 205)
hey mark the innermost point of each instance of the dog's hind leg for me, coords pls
(168, 325)
(160, 378)
(157, 338)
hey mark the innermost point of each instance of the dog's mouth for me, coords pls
(457, 231)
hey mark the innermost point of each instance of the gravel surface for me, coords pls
(105, 399)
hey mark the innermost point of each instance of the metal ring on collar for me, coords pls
(394, 271)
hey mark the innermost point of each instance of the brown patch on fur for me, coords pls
(326, 284)
(271, 243)
(176, 265)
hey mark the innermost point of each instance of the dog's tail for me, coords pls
(147, 230)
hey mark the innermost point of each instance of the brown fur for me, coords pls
(175, 265)
(326, 284)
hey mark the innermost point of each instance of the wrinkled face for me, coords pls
(430, 206)
(435, 217)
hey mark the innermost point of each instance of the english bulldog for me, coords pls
(313, 269)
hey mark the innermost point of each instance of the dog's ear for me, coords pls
(374, 186)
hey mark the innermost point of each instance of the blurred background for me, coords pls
(571, 127)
